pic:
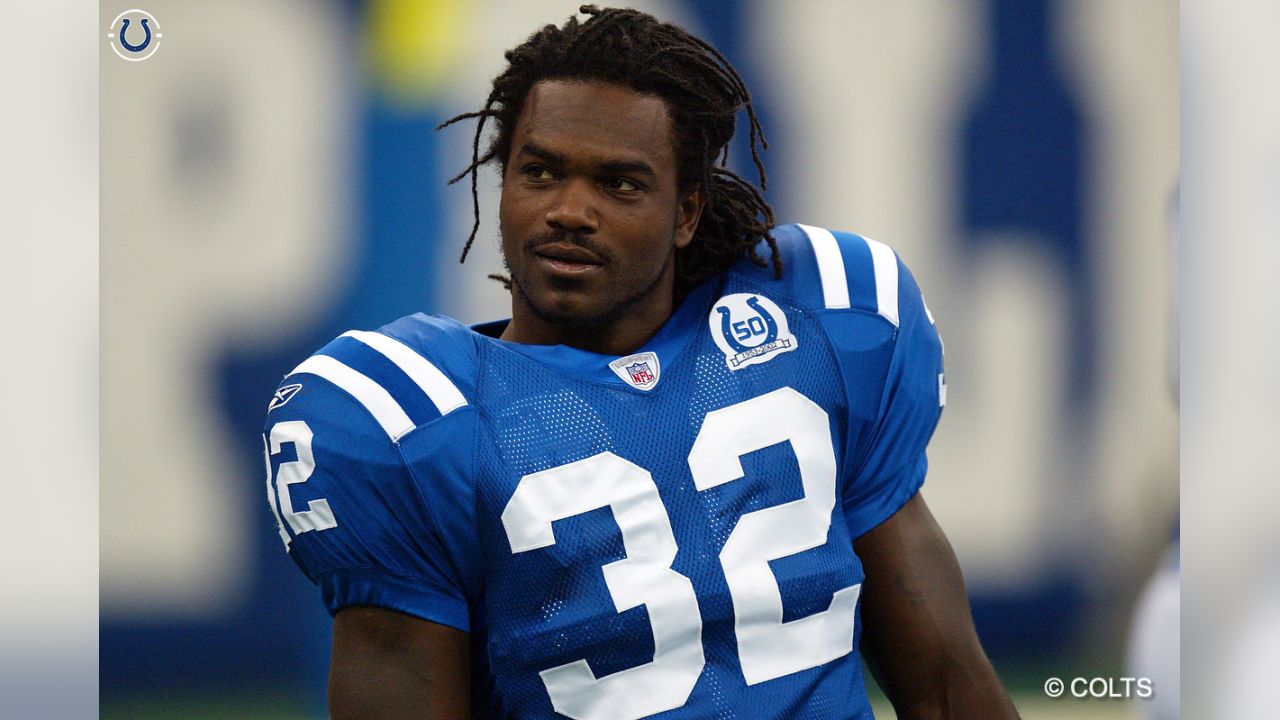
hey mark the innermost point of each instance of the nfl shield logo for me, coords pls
(641, 371)
(640, 374)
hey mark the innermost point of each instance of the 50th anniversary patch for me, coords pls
(134, 35)
(749, 329)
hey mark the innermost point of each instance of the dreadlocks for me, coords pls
(703, 94)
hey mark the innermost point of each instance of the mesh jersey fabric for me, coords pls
(421, 511)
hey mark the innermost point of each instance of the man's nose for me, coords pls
(574, 208)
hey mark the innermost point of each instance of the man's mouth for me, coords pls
(567, 258)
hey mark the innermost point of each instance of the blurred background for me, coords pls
(270, 178)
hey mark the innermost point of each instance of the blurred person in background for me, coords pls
(752, 421)
(1155, 640)
(1155, 635)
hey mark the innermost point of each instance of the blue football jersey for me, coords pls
(667, 534)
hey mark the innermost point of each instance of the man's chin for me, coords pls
(573, 316)
(584, 306)
(566, 308)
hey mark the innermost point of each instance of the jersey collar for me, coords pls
(668, 343)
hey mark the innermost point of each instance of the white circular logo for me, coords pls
(134, 35)
(749, 329)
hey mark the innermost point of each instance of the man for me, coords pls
(680, 479)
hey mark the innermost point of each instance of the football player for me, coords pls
(681, 480)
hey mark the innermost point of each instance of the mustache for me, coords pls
(560, 236)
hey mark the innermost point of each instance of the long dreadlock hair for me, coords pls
(703, 93)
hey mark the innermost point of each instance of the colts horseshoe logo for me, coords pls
(118, 35)
(766, 321)
(124, 38)
(749, 329)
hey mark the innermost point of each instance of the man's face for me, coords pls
(590, 213)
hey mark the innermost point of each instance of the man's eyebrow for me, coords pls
(607, 167)
(623, 167)
(536, 150)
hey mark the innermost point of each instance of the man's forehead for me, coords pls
(596, 118)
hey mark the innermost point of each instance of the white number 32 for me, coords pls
(768, 648)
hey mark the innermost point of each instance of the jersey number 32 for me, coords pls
(767, 647)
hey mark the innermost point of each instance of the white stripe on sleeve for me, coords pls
(835, 286)
(443, 393)
(885, 264)
(368, 393)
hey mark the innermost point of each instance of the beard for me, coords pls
(612, 311)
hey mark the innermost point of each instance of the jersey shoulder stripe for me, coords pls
(835, 284)
(395, 383)
(856, 271)
(442, 392)
(853, 271)
(388, 413)
(884, 263)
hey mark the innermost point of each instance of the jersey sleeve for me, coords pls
(353, 517)
(890, 466)
(890, 361)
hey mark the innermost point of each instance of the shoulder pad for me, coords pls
(405, 375)
(854, 272)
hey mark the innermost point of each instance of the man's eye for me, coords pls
(622, 185)
(538, 172)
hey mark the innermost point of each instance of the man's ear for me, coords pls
(689, 212)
